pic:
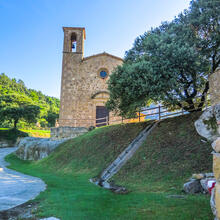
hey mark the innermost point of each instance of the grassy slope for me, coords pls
(171, 154)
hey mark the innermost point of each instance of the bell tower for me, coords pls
(74, 40)
(73, 49)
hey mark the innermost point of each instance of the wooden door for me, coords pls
(102, 116)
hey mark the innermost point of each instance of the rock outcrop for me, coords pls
(207, 125)
(30, 148)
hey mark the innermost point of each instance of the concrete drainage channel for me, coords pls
(123, 157)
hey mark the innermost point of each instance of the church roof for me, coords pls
(101, 54)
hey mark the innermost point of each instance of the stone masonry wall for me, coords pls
(66, 132)
(214, 81)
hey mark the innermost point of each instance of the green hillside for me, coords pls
(156, 172)
(49, 106)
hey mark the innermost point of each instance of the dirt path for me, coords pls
(16, 188)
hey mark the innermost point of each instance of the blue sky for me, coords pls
(31, 36)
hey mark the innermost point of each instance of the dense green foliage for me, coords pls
(171, 63)
(14, 107)
(25, 107)
(11, 135)
(154, 174)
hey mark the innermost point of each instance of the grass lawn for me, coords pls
(160, 167)
(33, 133)
(38, 133)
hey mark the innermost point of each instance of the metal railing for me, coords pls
(159, 112)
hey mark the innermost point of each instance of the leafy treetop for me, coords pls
(170, 63)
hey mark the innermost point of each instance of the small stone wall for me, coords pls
(66, 132)
(216, 170)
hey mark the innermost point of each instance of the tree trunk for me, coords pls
(204, 94)
(15, 123)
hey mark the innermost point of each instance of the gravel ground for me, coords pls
(16, 188)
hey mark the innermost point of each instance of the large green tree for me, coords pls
(14, 107)
(170, 63)
(49, 106)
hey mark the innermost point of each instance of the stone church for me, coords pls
(83, 86)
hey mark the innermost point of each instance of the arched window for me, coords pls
(73, 42)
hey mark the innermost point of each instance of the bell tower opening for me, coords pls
(73, 42)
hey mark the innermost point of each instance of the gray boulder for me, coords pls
(206, 125)
(217, 112)
(192, 187)
(31, 148)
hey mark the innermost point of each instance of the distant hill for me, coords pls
(49, 105)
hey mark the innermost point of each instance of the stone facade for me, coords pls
(82, 87)
(214, 81)
(208, 126)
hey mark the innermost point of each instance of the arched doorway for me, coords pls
(102, 116)
(101, 112)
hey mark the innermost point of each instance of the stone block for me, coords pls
(193, 187)
(216, 166)
(217, 199)
(214, 84)
(198, 176)
(216, 145)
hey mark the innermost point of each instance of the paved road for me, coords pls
(16, 188)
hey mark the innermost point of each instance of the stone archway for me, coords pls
(101, 114)
(100, 95)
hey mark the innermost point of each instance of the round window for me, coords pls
(103, 74)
